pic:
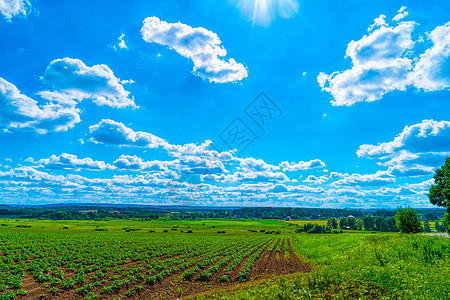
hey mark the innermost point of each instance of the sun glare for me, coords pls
(264, 12)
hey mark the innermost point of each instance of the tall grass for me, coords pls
(360, 266)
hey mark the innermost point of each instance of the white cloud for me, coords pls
(71, 162)
(402, 13)
(129, 162)
(427, 136)
(378, 22)
(384, 61)
(255, 165)
(21, 112)
(301, 165)
(201, 150)
(74, 80)
(198, 165)
(115, 133)
(121, 43)
(418, 150)
(379, 66)
(31, 175)
(264, 176)
(200, 45)
(12, 8)
(432, 72)
(379, 178)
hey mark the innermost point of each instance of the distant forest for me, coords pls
(88, 212)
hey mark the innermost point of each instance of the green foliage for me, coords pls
(90, 296)
(446, 221)
(316, 229)
(407, 220)
(8, 295)
(426, 226)
(439, 193)
(205, 276)
(350, 265)
(359, 266)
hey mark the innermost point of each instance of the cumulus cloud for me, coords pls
(129, 162)
(383, 61)
(121, 44)
(402, 13)
(21, 112)
(116, 133)
(427, 136)
(418, 150)
(72, 162)
(265, 176)
(432, 72)
(255, 165)
(31, 175)
(301, 165)
(379, 65)
(110, 132)
(72, 81)
(198, 165)
(202, 150)
(379, 178)
(75, 80)
(200, 45)
(12, 8)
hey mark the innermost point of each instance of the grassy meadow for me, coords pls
(215, 259)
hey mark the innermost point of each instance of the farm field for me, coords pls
(210, 259)
(138, 259)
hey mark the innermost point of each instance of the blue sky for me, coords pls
(226, 102)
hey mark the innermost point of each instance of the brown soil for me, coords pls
(269, 264)
(173, 287)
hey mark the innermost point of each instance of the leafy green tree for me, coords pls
(359, 224)
(407, 220)
(390, 224)
(334, 223)
(446, 222)
(368, 223)
(351, 222)
(440, 191)
(342, 223)
(439, 227)
(378, 223)
(426, 226)
(316, 229)
(308, 227)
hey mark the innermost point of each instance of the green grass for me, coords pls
(359, 266)
(233, 227)
(353, 265)
(303, 222)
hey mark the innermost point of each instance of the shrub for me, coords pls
(407, 220)
(316, 229)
